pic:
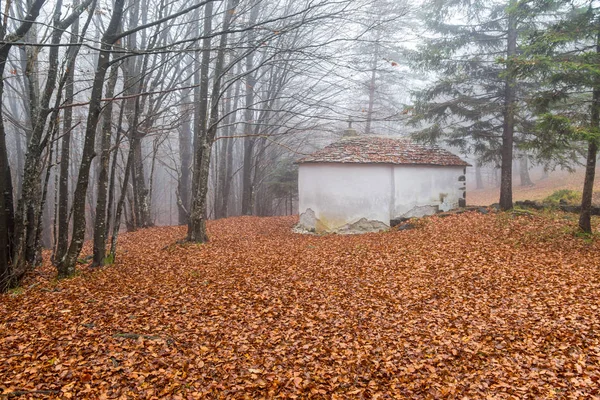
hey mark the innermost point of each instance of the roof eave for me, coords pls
(464, 164)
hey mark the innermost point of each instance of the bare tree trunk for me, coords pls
(62, 240)
(66, 265)
(184, 189)
(141, 191)
(6, 189)
(113, 171)
(585, 218)
(18, 177)
(524, 171)
(155, 146)
(215, 163)
(478, 177)
(6, 201)
(63, 188)
(247, 184)
(372, 82)
(138, 71)
(102, 188)
(201, 92)
(31, 203)
(54, 127)
(228, 178)
(247, 187)
(260, 198)
(120, 206)
(196, 221)
(508, 125)
(226, 158)
(31, 76)
(197, 226)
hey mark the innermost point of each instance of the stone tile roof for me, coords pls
(382, 150)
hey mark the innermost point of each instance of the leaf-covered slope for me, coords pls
(470, 305)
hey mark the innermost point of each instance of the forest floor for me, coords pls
(468, 306)
(541, 188)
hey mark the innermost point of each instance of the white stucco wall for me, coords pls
(342, 194)
(418, 190)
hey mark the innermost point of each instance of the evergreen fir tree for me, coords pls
(476, 102)
(565, 58)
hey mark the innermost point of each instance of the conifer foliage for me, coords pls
(564, 57)
(475, 102)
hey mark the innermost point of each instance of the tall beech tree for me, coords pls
(6, 189)
(205, 138)
(249, 139)
(25, 234)
(66, 265)
(259, 73)
(67, 123)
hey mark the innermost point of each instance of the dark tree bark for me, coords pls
(197, 226)
(113, 171)
(66, 265)
(102, 188)
(201, 92)
(135, 72)
(30, 206)
(63, 188)
(62, 240)
(585, 218)
(6, 189)
(120, 206)
(508, 125)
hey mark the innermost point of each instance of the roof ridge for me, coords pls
(390, 150)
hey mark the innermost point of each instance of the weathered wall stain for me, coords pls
(336, 197)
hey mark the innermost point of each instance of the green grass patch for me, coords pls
(109, 259)
(16, 291)
(563, 196)
(586, 237)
